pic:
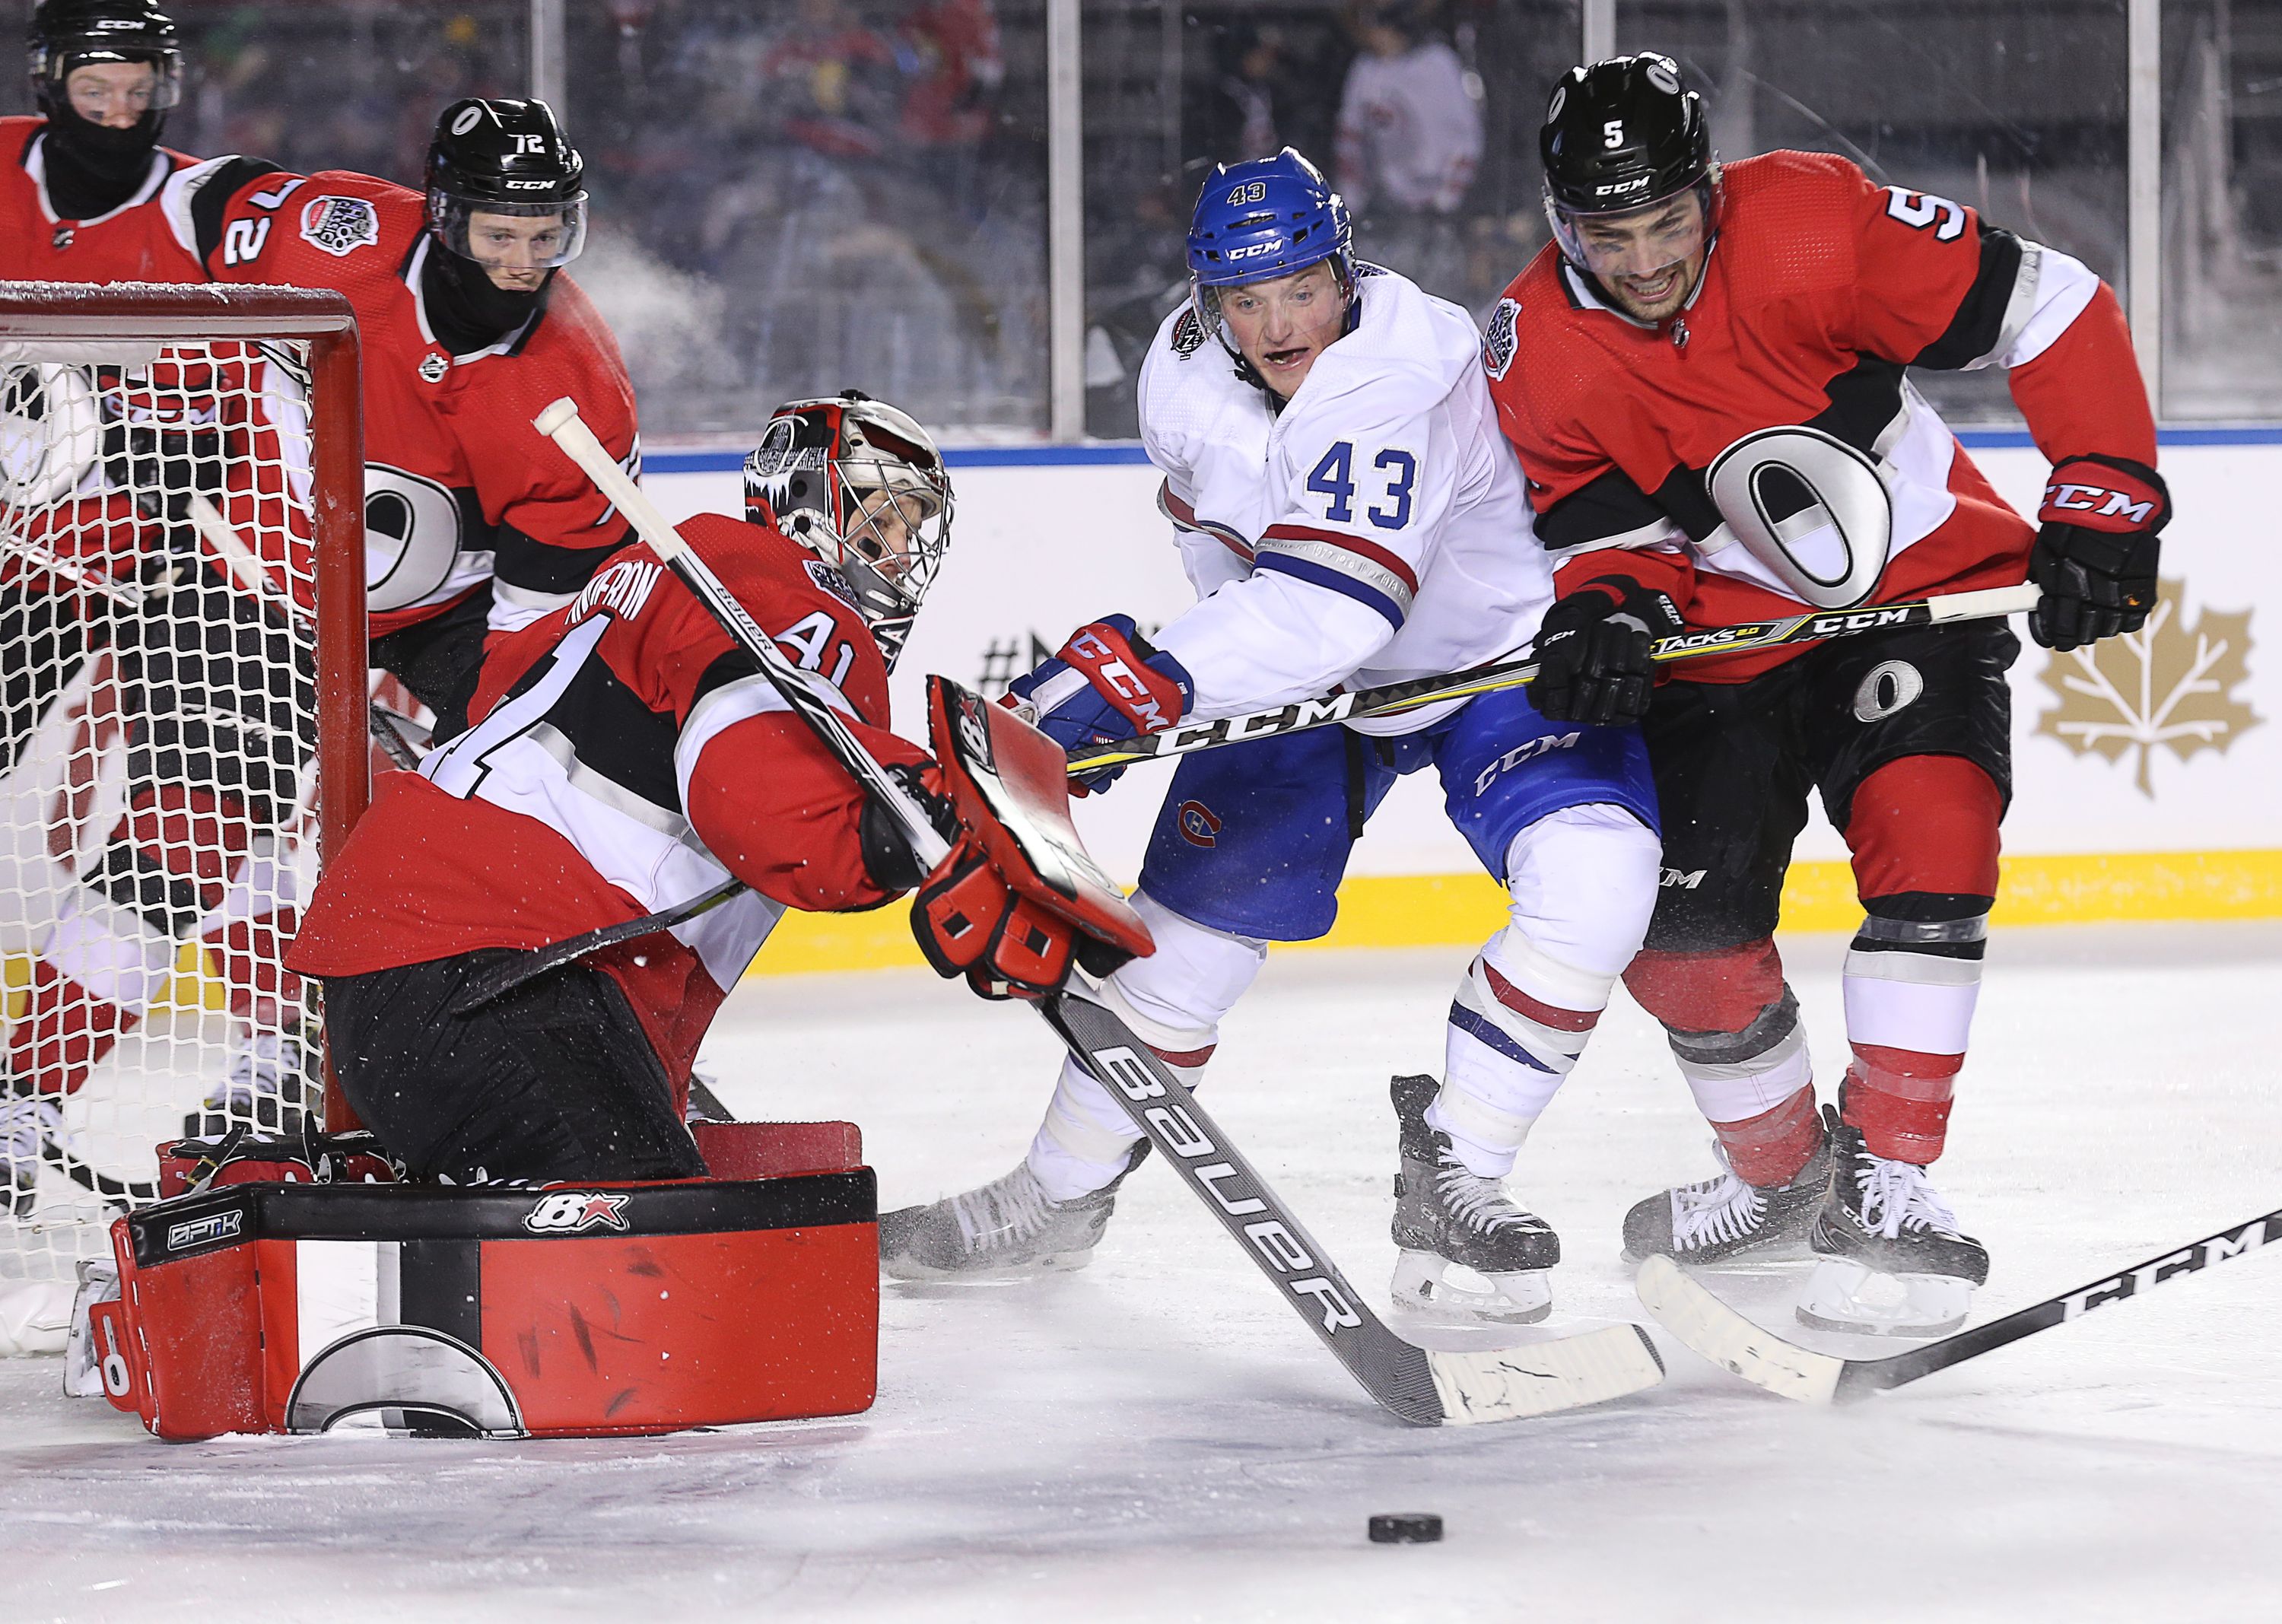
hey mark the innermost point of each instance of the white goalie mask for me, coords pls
(860, 485)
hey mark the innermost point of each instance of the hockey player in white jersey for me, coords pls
(1348, 513)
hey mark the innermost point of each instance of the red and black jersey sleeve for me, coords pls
(551, 528)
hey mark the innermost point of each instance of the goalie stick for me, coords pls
(1421, 1385)
(1396, 697)
(1689, 1311)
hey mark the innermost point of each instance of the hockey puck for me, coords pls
(1405, 1529)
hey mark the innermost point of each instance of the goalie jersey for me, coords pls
(1373, 530)
(626, 757)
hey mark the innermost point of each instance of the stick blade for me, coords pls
(1690, 1312)
(1512, 1384)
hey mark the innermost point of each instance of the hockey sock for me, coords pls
(1733, 1026)
(1582, 881)
(1173, 1001)
(64, 1031)
(1923, 832)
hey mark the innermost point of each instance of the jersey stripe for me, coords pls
(1185, 515)
(1285, 562)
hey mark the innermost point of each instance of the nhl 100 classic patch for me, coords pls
(1498, 341)
(1188, 334)
(340, 225)
(825, 576)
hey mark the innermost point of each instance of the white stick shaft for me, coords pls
(244, 568)
(562, 424)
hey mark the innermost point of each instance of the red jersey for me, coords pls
(1820, 290)
(459, 487)
(626, 756)
(147, 238)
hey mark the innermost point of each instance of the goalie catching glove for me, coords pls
(1016, 900)
(2097, 550)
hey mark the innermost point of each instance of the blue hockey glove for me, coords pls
(1108, 682)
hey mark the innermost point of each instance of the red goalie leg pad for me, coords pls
(1767, 1149)
(1925, 823)
(1901, 1100)
(1723, 990)
(64, 1031)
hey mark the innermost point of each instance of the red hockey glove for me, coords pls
(969, 921)
(1593, 652)
(2097, 554)
(1107, 682)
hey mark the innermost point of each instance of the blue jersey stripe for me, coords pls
(1316, 575)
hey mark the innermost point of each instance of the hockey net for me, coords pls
(182, 703)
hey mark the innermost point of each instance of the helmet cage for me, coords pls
(451, 220)
(832, 474)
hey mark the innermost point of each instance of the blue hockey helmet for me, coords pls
(1264, 218)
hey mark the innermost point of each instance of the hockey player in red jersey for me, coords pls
(625, 756)
(469, 327)
(1706, 378)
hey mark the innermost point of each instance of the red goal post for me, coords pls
(180, 466)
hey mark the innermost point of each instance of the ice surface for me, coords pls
(1158, 1438)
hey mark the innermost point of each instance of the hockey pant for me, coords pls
(1582, 882)
(1907, 738)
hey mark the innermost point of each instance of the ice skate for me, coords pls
(1445, 1216)
(1893, 1261)
(267, 1092)
(1718, 1220)
(26, 1120)
(1008, 1227)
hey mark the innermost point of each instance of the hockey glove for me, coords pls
(1593, 652)
(969, 921)
(2097, 553)
(1108, 682)
(890, 862)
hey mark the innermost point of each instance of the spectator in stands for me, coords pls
(949, 50)
(1409, 138)
(832, 80)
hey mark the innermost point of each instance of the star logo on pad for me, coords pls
(573, 1212)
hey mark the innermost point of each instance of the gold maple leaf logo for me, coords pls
(2162, 687)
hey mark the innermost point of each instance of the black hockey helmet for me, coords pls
(1621, 135)
(838, 475)
(503, 157)
(66, 35)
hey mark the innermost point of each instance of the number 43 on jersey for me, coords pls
(1390, 474)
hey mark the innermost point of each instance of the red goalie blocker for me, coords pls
(1018, 894)
(554, 1312)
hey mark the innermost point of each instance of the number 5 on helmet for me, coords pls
(1017, 897)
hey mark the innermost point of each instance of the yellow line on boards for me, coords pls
(1452, 910)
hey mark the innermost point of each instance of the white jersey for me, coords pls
(1372, 532)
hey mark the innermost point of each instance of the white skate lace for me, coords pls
(1897, 1195)
(1716, 1209)
(258, 1071)
(1014, 1205)
(1479, 1203)
(23, 1120)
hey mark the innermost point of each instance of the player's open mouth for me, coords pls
(1291, 357)
(1651, 290)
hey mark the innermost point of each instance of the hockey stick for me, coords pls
(1420, 1386)
(1396, 697)
(1690, 1312)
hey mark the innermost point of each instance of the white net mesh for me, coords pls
(158, 772)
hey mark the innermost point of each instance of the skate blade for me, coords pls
(1845, 1295)
(999, 1274)
(1423, 1289)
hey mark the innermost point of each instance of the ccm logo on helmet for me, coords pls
(1255, 251)
(571, 1212)
(2099, 501)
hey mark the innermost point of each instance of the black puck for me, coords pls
(1405, 1529)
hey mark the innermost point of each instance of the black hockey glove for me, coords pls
(2097, 553)
(1593, 652)
(888, 862)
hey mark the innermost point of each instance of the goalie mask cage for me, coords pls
(182, 734)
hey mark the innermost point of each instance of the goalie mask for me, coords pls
(860, 485)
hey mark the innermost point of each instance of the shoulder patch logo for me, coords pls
(340, 226)
(825, 576)
(1498, 341)
(1188, 334)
